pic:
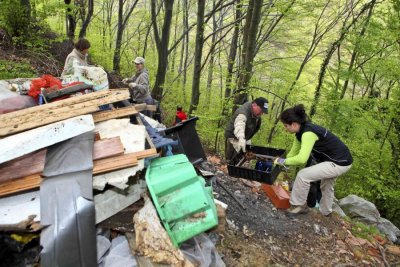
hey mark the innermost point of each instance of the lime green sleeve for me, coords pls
(295, 148)
(308, 140)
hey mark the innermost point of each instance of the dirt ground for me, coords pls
(261, 235)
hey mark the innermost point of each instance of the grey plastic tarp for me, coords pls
(66, 206)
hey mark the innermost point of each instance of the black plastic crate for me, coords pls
(267, 177)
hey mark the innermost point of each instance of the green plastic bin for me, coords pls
(185, 206)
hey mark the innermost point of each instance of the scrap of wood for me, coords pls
(40, 115)
(34, 163)
(145, 153)
(392, 249)
(144, 106)
(99, 166)
(114, 163)
(55, 105)
(108, 147)
(21, 184)
(24, 166)
(113, 114)
(24, 143)
(148, 139)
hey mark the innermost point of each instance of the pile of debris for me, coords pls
(72, 178)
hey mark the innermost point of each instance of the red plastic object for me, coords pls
(46, 81)
(279, 196)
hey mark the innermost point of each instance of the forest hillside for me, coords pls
(340, 58)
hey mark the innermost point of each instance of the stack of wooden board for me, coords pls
(30, 118)
(26, 135)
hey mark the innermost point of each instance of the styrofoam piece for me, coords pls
(18, 208)
(24, 143)
(133, 138)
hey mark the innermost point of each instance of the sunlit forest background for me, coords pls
(340, 58)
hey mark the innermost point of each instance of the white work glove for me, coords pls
(242, 144)
(125, 80)
(132, 85)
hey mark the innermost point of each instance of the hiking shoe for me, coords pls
(296, 210)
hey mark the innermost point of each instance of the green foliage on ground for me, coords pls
(15, 69)
(362, 230)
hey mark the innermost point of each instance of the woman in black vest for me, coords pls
(331, 154)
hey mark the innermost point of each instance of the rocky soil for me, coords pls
(261, 235)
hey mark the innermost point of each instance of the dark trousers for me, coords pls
(230, 152)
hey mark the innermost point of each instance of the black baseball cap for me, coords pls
(262, 103)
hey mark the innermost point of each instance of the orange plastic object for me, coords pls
(279, 196)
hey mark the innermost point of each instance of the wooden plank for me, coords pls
(140, 107)
(30, 125)
(24, 143)
(34, 163)
(21, 184)
(145, 153)
(44, 117)
(100, 166)
(55, 105)
(107, 147)
(148, 139)
(24, 166)
(113, 114)
(114, 163)
(72, 109)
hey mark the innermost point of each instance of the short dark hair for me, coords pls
(82, 44)
(294, 114)
(179, 108)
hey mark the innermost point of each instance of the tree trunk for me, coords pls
(175, 32)
(233, 50)
(70, 21)
(26, 5)
(122, 21)
(118, 41)
(162, 46)
(89, 15)
(248, 54)
(186, 48)
(197, 56)
(211, 62)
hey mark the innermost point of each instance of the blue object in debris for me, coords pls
(169, 151)
(41, 102)
(265, 166)
(157, 139)
(105, 107)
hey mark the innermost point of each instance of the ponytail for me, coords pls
(294, 114)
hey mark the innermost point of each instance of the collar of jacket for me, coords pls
(79, 54)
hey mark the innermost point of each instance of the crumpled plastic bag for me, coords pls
(201, 251)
